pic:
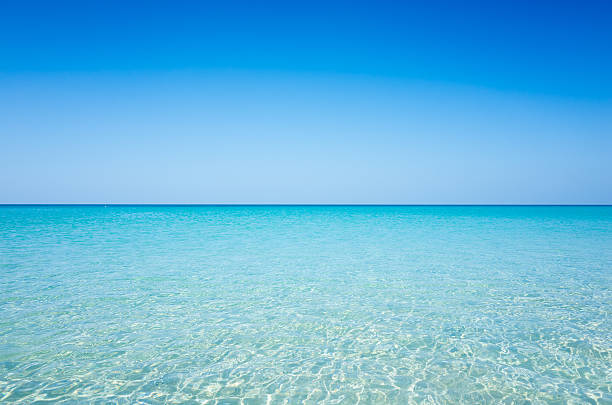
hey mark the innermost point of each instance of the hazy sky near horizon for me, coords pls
(316, 102)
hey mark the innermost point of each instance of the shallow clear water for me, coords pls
(306, 304)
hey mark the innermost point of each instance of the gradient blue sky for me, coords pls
(310, 102)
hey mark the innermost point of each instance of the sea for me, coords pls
(309, 304)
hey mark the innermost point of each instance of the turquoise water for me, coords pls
(306, 304)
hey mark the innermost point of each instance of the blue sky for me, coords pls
(312, 102)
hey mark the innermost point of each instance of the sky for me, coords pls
(381, 102)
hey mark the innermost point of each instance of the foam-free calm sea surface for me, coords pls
(293, 304)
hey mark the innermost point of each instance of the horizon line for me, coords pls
(289, 205)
